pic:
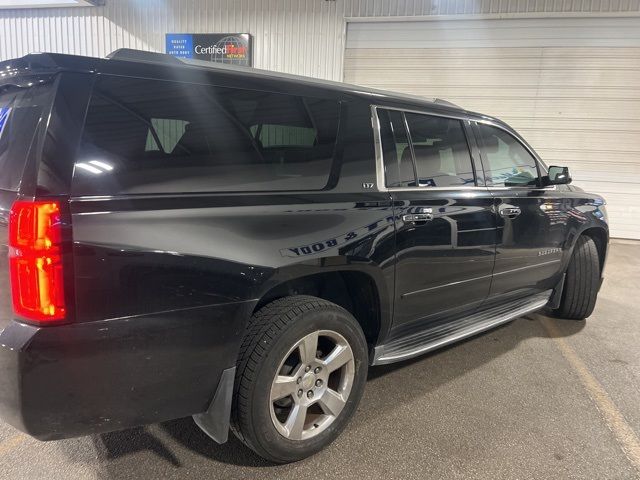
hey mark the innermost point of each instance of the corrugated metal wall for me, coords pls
(568, 85)
(296, 36)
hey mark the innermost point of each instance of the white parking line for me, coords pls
(624, 434)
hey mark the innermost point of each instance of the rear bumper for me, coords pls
(85, 378)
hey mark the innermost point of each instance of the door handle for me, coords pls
(417, 217)
(510, 212)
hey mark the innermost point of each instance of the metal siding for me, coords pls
(571, 89)
(303, 37)
(296, 36)
(548, 32)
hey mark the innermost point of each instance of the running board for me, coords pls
(448, 332)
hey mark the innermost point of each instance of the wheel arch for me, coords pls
(362, 292)
(600, 236)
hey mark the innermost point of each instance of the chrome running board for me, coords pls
(444, 333)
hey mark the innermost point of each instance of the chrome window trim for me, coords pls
(377, 139)
(524, 188)
(428, 189)
(377, 143)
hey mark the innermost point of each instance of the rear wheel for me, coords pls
(581, 282)
(300, 376)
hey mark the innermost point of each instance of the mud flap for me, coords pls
(215, 421)
(556, 296)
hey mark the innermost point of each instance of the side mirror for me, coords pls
(558, 176)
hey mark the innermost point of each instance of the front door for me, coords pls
(445, 227)
(531, 219)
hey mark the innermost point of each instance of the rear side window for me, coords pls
(20, 112)
(432, 153)
(441, 151)
(398, 162)
(168, 132)
(151, 136)
(284, 135)
(508, 162)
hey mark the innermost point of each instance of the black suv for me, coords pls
(237, 245)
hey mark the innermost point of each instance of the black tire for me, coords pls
(582, 281)
(272, 332)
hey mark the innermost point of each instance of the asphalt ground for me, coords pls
(536, 398)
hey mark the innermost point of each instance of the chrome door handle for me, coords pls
(510, 212)
(417, 217)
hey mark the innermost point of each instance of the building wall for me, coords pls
(305, 37)
(568, 85)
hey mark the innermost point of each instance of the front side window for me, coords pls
(507, 162)
(150, 136)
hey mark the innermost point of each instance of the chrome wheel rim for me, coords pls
(312, 385)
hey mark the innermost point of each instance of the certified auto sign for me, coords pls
(233, 48)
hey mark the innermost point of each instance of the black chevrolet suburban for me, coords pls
(180, 239)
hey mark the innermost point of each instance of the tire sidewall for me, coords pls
(265, 436)
(581, 285)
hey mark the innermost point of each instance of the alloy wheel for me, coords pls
(312, 385)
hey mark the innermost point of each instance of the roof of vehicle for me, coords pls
(51, 62)
(125, 60)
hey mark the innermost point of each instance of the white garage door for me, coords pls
(570, 86)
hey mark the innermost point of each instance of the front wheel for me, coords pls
(582, 281)
(300, 376)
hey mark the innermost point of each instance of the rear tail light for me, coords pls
(35, 258)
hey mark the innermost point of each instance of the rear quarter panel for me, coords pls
(166, 283)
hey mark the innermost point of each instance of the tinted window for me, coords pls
(398, 163)
(20, 112)
(284, 135)
(507, 161)
(147, 136)
(441, 151)
(168, 133)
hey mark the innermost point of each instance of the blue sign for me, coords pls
(180, 45)
(231, 48)
(4, 116)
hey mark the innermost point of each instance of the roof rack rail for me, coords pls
(142, 56)
(156, 57)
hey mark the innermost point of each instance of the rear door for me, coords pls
(531, 220)
(445, 228)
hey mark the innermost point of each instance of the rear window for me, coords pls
(20, 111)
(151, 136)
